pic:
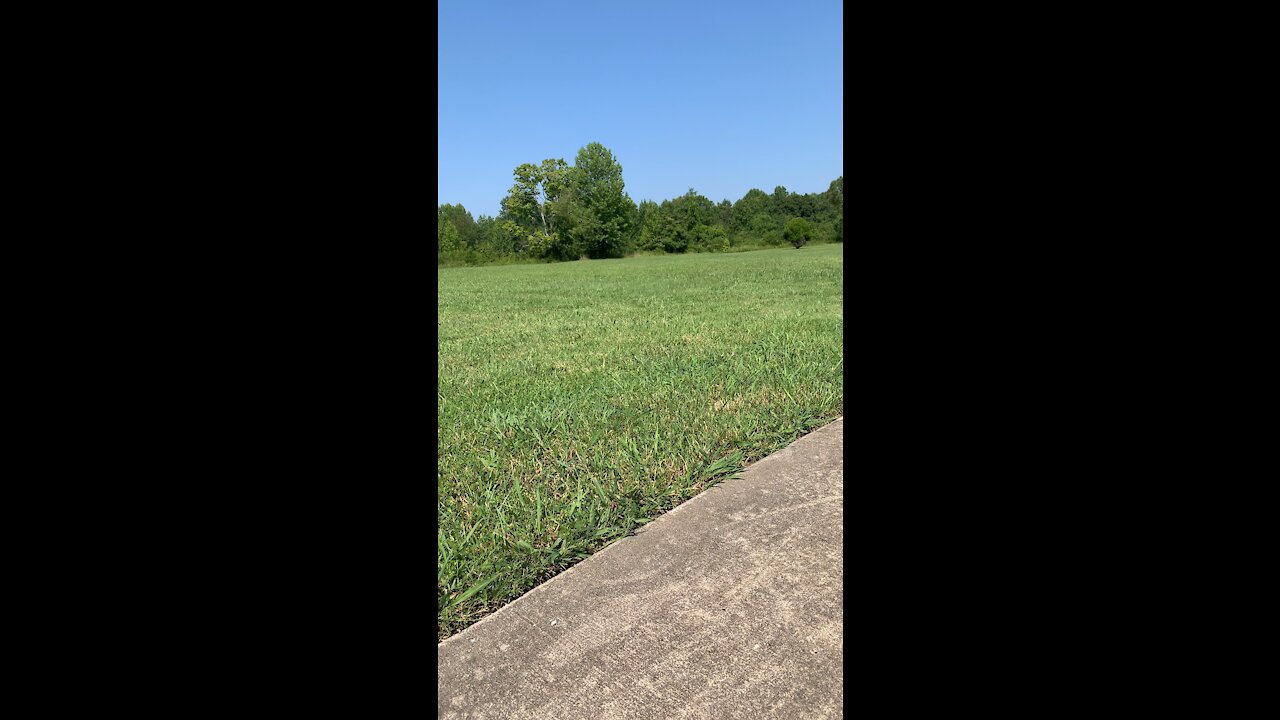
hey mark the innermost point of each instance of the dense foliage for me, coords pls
(556, 211)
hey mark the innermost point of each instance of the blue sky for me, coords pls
(718, 96)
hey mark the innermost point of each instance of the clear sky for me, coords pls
(718, 96)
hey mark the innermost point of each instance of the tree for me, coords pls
(797, 232)
(766, 228)
(645, 216)
(648, 218)
(600, 208)
(677, 228)
(670, 232)
(468, 233)
(755, 202)
(725, 213)
(696, 209)
(808, 206)
(447, 238)
(835, 193)
(781, 203)
(535, 203)
(496, 236)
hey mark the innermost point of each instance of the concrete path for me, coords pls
(729, 606)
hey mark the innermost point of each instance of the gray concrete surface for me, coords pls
(729, 606)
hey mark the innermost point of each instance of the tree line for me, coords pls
(555, 211)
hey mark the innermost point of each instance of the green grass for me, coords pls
(577, 401)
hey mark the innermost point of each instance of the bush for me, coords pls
(797, 232)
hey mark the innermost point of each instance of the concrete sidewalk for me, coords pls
(729, 606)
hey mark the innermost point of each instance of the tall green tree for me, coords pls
(724, 214)
(447, 237)
(601, 210)
(683, 223)
(808, 206)
(645, 216)
(781, 204)
(462, 221)
(495, 237)
(536, 204)
(835, 195)
(835, 198)
(766, 227)
(745, 210)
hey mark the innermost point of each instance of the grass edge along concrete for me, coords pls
(579, 401)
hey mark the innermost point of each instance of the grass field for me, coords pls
(578, 401)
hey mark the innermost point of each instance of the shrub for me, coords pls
(797, 232)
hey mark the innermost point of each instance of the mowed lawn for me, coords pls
(577, 401)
